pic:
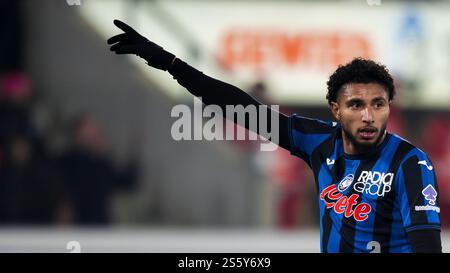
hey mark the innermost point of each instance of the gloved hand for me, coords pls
(132, 42)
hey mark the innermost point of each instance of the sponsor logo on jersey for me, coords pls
(428, 207)
(346, 205)
(374, 183)
(345, 183)
(430, 194)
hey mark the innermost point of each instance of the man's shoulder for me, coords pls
(411, 151)
(312, 125)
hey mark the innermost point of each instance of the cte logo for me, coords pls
(345, 205)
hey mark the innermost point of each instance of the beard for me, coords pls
(363, 147)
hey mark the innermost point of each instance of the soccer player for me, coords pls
(376, 191)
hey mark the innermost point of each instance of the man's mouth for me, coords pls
(367, 133)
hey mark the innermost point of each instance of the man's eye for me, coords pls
(355, 105)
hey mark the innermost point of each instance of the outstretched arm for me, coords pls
(211, 90)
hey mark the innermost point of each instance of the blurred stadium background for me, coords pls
(86, 153)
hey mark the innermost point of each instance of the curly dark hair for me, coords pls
(359, 70)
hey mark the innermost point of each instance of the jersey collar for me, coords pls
(372, 153)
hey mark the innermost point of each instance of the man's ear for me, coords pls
(335, 110)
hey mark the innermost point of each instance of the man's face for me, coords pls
(363, 111)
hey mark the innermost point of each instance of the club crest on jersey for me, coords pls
(345, 183)
(346, 205)
(374, 183)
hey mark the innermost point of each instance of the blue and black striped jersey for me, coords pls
(367, 202)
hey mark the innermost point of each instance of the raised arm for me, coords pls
(212, 91)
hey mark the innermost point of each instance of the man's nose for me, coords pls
(367, 115)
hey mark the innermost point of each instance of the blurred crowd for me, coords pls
(72, 187)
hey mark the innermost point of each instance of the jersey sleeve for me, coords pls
(306, 134)
(418, 193)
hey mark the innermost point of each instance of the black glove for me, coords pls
(132, 42)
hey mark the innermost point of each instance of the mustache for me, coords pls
(368, 128)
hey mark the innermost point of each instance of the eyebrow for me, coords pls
(355, 100)
(379, 99)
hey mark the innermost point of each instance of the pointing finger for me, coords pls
(126, 28)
